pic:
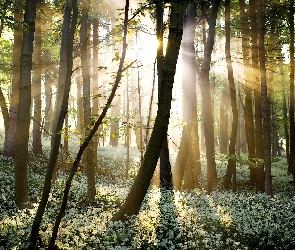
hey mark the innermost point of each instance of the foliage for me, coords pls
(167, 220)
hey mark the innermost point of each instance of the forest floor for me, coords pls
(167, 220)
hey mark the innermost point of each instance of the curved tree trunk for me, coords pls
(69, 27)
(88, 139)
(165, 165)
(159, 134)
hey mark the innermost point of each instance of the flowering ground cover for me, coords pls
(167, 220)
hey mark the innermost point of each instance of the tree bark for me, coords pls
(207, 111)
(264, 99)
(159, 134)
(37, 131)
(14, 98)
(165, 165)
(95, 82)
(5, 113)
(184, 161)
(24, 118)
(69, 27)
(292, 95)
(231, 167)
(248, 88)
(223, 120)
(85, 61)
(90, 135)
(259, 171)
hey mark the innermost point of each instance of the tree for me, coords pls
(207, 111)
(159, 133)
(184, 161)
(165, 166)
(260, 179)
(37, 145)
(230, 177)
(85, 61)
(91, 133)
(248, 89)
(264, 99)
(68, 31)
(292, 95)
(24, 118)
(14, 98)
(95, 81)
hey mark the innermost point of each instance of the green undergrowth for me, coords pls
(167, 220)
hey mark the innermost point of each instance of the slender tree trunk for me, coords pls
(48, 105)
(260, 178)
(207, 111)
(62, 70)
(3, 104)
(248, 88)
(95, 82)
(14, 98)
(223, 122)
(68, 31)
(88, 139)
(231, 168)
(80, 105)
(5, 113)
(159, 134)
(37, 130)
(292, 95)
(24, 108)
(285, 115)
(85, 60)
(265, 101)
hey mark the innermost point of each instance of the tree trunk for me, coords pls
(88, 139)
(67, 32)
(189, 106)
(5, 114)
(207, 111)
(292, 95)
(14, 98)
(231, 167)
(165, 166)
(24, 118)
(37, 130)
(223, 120)
(80, 105)
(159, 134)
(265, 101)
(95, 82)
(85, 61)
(285, 115)
(115, 113)
(248, 88)
(48, 100)
(259, 171)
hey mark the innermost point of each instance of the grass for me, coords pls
(167, 220)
